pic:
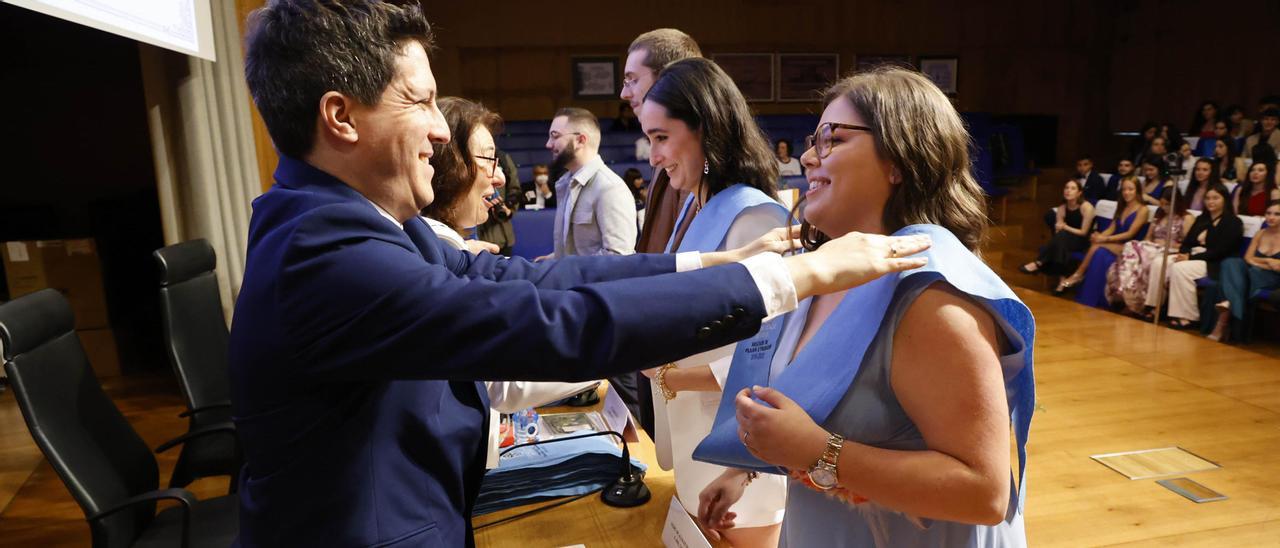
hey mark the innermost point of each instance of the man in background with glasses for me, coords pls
(597, 215)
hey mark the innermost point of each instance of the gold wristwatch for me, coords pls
(823, 473)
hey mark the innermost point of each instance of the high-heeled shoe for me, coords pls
(1068, 283)
(1221, 331)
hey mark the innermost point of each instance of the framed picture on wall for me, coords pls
(866, 62)
(753, 72)
(595, 78)
(802, 76)
(943, 71)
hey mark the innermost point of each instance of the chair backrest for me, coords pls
(98, 455)
(195, 332)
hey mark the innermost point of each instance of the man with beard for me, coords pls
(598, 216)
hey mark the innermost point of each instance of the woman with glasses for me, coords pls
(704, 137)
(888, 405)
(466, 174)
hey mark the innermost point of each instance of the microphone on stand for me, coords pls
(627, 491)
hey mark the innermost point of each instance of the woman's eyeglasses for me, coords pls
(820, 141)
(490, 161)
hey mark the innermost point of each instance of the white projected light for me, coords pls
(185, 26)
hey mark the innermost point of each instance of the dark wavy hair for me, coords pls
(917, 129)
(455, 162)
(298, 50)
(1215, 177)
(697, 91)
(1246, 186)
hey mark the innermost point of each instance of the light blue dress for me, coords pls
(841, 379)
(870, 414)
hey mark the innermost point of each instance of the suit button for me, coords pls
(739, 312)
(729, 319)
(703, 333)
(716, 326)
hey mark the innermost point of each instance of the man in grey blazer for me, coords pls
(597, 215)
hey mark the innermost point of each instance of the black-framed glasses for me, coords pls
(556, 135)
(492, 161)
(820, 141)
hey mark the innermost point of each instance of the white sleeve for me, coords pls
(512, 396)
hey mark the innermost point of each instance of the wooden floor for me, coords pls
(1106, 384)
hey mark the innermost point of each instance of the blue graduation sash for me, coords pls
(822, 373)
(709, 229)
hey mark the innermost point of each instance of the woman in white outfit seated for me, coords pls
(704, 137)
(465, 179)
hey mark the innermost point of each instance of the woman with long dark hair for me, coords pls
(1140, 260)
(1203, 121)
(890, 407)
(1256, 190)
(1070, 234)
(1214, 236)
(704, 137)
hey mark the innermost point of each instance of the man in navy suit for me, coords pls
(358, 338)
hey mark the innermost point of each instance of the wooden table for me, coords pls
(588, 521)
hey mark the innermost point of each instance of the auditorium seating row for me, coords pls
(999, 151)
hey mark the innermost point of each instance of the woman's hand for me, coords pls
(783, 434)
(1180, 257)
(1059, 226)
(717, 497)
(476, 246)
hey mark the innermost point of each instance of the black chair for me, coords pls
(195, 335)
(100, 458)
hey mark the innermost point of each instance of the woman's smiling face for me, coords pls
(849, 188)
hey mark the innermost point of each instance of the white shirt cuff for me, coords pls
(773, 279)
(689, 260)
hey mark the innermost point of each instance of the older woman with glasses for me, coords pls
(888, 405)
(466, 174)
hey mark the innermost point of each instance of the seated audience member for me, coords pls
(1239, 279)
(544, 197)
(635, 183)
(1228, 164)
(1140, 261)
(786, 164)
(1214, 236)
(1155, 179)
(1092, 189)
(1072, 222)
(1124, 169)
(1241, 127)
(1141, 143)
(1172, 137)
(1129, 223)
(1256, 190)
(1159, 147)
(626, 120)
(1203, 177)
(1267, 134)
(465, 179)
(1186, 161)
(1202, 124)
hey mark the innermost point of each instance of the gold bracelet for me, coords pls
(661, 377)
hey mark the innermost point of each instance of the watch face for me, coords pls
(822, 477)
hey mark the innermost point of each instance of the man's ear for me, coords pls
(335, 117)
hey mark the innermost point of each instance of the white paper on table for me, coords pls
(680, 531)
(617, 417)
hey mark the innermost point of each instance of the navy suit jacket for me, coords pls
(1094, 188)
(356, 346)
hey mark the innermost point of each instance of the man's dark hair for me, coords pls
(697, 92)
(298, 50)
(790, 149)
(1269, 100)
(1270, 113)
(455, 162)
(1084, 157)
(664, 46)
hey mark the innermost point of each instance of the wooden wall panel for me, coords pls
(1097, 65)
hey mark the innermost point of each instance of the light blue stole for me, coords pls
(824, 370)
(709, 229)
